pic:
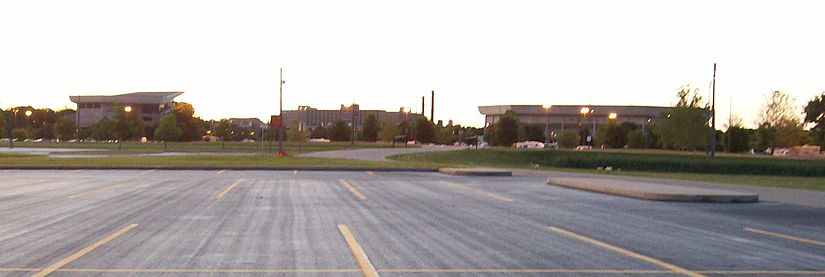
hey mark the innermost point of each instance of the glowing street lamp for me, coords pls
(127, 109)
(585, 110)
(612, 116)
(547, 123)
(28, 113)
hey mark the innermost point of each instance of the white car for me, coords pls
(530, 144)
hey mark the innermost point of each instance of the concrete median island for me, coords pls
(476, 171)
(650, 191)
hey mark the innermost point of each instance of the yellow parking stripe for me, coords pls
(221, 172)
(360, 257)
(788, 237)
(625, 252)
(352, 189)
(105, 188)
(83, 251)
(220, 195)
(147, 171)
(477, 191)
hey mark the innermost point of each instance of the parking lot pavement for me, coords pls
(311, 223)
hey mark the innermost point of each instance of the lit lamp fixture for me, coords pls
(612, 116)
(585, 110)
(28, 113)
(127, 109)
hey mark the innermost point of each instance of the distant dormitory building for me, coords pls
(148, 106)
(313, 118)
(561, 117)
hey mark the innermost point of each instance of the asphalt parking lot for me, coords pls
(313, 223)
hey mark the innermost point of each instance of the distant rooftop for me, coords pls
(148, 97)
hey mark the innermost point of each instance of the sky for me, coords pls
(226, 55)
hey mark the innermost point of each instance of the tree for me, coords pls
(319, 133)
(815, 114)
(737, 139)
(125, 125)
(100, 130)
(569, 139)
(20, 133)
(778, 113)
(636, 139)
(685, 126)
(223, 130)
(295, 132)
(191, 127)
(370, 128)
(340, 131)
(388, 131)
(45, 131)
(506, 129)
(424, 130)
(64, 128)
(534, 132)
(3, 132)
(168, 129)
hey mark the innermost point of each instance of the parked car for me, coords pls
(529, 144)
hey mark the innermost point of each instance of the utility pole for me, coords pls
(281, 114)
(432, 107)
(712, 152)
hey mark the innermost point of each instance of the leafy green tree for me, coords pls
(737, 139)
(533, 132)
(100, 130)
(125, 125)
(685, 126)
(505, 131)
(45, 131)
(192, 128)
(3, 132)
(65, 128)
(778, 113)
(424, 130)
(815, 114)
(168, 129)
(370, 128)
(295, 133)
(569, 139)
(319, 133)
(636, 139)
(388, 131)
(20, 133)
(340, 131)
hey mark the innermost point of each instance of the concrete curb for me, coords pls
(285, 168)
(475, 171)
(654, 192)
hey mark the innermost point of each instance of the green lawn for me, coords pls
(229, 161)
(532, 159)
(216, 147)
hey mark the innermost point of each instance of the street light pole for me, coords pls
(11, 127)
(713, 117)
(546, 125)
(281, 114)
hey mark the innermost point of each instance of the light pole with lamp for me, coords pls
(127, 109)
(585, 111)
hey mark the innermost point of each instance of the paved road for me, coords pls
(377, 154)
(301, 223)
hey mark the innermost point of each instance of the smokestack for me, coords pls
(432, 106)
(422, 105)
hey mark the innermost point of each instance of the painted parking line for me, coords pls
(352, 189)
(784, 236)
(476, 191)
(221, 172)
(75, 171)
(295, 172)
(147, 171)
(357, 252)
(102, 189)
(228, 188)
(626, 252)
(524, 271)
(370, 173)
(83, 251)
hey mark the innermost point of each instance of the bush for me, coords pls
(569, 139)
(632, 161)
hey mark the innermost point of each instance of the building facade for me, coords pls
(249, 123)
(148, 106)
(558, 118)
(313, 118)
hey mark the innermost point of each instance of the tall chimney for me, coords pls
(422, 105)
(432, 106)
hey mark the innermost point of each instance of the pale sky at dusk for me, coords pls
(225, 55)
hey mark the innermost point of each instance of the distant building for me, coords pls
(313, 118)
(249, 123)
(560, 117)
(148, 106)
